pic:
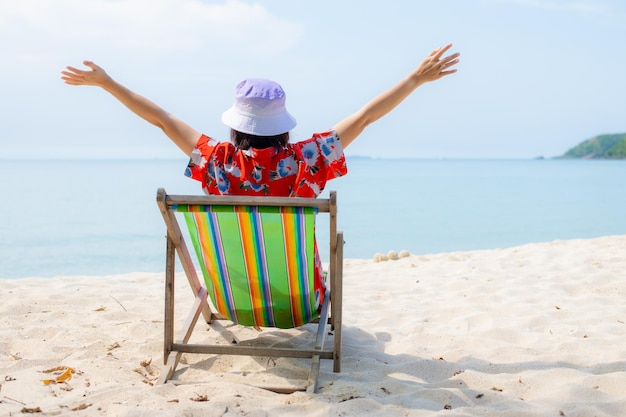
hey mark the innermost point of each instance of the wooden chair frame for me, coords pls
(173, 349)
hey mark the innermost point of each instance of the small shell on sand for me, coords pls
(379, 257)
(391, 255)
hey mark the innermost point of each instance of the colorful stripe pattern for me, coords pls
(258, 262)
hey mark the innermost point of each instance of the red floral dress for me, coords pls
(299, 169)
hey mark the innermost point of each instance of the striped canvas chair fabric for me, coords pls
(257, 262)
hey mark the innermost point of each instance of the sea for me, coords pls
(100, 217)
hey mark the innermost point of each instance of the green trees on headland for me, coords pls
(617, 151)
(600, 147)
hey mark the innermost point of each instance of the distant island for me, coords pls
(600, 147)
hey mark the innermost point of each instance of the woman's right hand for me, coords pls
(96, 76)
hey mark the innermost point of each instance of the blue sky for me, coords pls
(536, 76)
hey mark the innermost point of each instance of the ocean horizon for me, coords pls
(66, 217)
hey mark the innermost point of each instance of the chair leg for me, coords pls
(172, 360)
(169, 368)
(312, 383)
(168, 320)
(337, 304)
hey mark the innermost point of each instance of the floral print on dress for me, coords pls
(248, 187)
(310, 153)
(222, 181)
(299, 169)
(284, 168)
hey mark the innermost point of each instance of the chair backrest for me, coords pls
(257, 255)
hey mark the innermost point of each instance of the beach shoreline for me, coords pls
(537, 329)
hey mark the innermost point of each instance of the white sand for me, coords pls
(536, 330)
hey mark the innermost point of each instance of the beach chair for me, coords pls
(257, 257)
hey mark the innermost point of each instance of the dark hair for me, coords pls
(246, 141)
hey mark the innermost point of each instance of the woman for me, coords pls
(260, 160)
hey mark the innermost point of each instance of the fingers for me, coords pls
(443, 65)
(72, 75)
(435, 57)
(72, 70)
(71, 79)
(449, 61)
(436, 66)
(445, 68)
(437, 53)
(451, 58)
(443, 73)
(89, 64)
(75, 76)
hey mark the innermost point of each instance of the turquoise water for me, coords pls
(100, 217)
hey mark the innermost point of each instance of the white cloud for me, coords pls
(165, 25)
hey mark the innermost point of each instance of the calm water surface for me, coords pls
(100, 217)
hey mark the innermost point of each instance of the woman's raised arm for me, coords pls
(183, 135)
(432, 68)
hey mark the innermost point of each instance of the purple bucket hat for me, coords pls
(259, 109)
